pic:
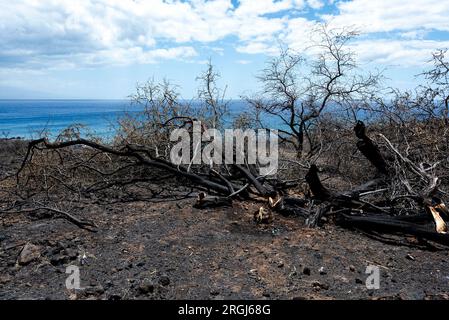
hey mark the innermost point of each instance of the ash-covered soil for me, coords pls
(145, 250)
(173, 251)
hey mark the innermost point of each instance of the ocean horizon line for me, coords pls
(99, 99)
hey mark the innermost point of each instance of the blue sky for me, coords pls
(102, 48)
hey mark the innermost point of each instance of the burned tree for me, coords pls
(299, 89)
(439, 81)
(214, 104)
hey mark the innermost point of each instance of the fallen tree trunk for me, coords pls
(368, 148)
(143, 157)
(388, 224)
(343, 202)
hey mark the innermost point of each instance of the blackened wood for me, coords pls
(388, 225)
(317, 188)
(369, 149)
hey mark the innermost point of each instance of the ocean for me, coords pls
(28, 118)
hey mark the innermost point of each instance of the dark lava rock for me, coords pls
(358, 281)
(306, 271)
(318, 255)
(318, 285)
(72, 254)
(11, 262)
(99, 290)
(164, 280)
(59, 260)
(146, 287)
(94, 291)
(214, 292)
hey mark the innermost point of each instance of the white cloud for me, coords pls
(414, 34)
(315, 4)
(386, 15)
(395, 32)
(112, 30)
(56, 33)
(256, 47)
(243, 62)
(403, 53)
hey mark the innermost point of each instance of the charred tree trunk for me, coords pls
(369, 149)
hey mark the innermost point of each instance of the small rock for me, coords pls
(318, 285)
(99, 290)
(29, 253)
(351, 268)
(11, 262)
(306, 271)
(141, 264)
(280, 264)
(318, 255)
(72, 254)
(59, 260)
(62, 245)
(94, 291)
(5, 278)
(358, 281)
(321, 271)
(60, 270)
(214, 292)
(266, 294)
(115, 297)
(146, 287)
(164, 280)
